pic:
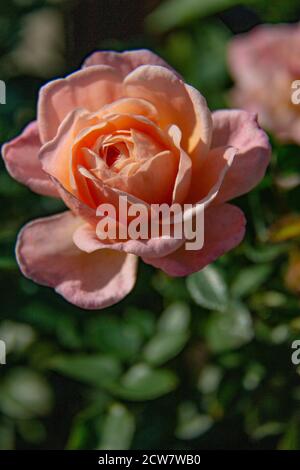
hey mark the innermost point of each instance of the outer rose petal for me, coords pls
(78, 207)
(240, 129)
(21, 159)
(86, 239)
(126, 61)
(55, 155)
(224, 229)
(46, 254)
(90, 88)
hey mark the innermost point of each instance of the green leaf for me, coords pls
(25, 394)
(229, 330)
(161, 348)
(191, 424)
(291, 437)
(118, 429)
(17, 336)
(141, 382)
(253, 377)
(250, 279)
(114, 336)
(209, 379)
(7, 436)
(142, 320)
(172, 289)
(78, 437)
(172, 13)
(208, 289)
(94, 369)
(264, 253)
(68, 333)
(32, 431)
(7, 263)
(82, 427)
(175, 319)
(271, 428)
(172, 335)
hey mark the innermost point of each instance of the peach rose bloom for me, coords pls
(126, 123)
(264, 63)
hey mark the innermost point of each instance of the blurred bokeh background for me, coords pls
(196, 363)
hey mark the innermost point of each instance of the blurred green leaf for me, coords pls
(25, 394)
(208, 289)
(7, 263)
(68, 333)
(141, 382)
(32, 431)
(268, 429)
(254, 375)
(161, 348)
(92, 369)
(82, 428)
(118, 429)
(175, 319)
(17, 336)
(114, 336)
(191, 424)
(7, 436)
(265, 253)
(209, 379)
(143, 320)
(172, 289)
(250, 279)
(172, 13)
(171, 335)
(79, 436)
(229, 330)
(291, 438)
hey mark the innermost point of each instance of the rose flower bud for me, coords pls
(127, 124)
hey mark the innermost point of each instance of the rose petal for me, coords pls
(209, 179)
(200, 138)
(86, 239)
(78, 207)
(58, 156)
(223, 230)
(184, 175)
(240, 129)
(125, 61)
(55, 155)
(21, 160)
(153, 181)
(47, 254)
(90, 88)
(176, 104)
(130, 106)
(264, 51)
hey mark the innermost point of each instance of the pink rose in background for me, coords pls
(264, 63)
(126, 123)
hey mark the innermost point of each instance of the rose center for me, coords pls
(111, 155)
